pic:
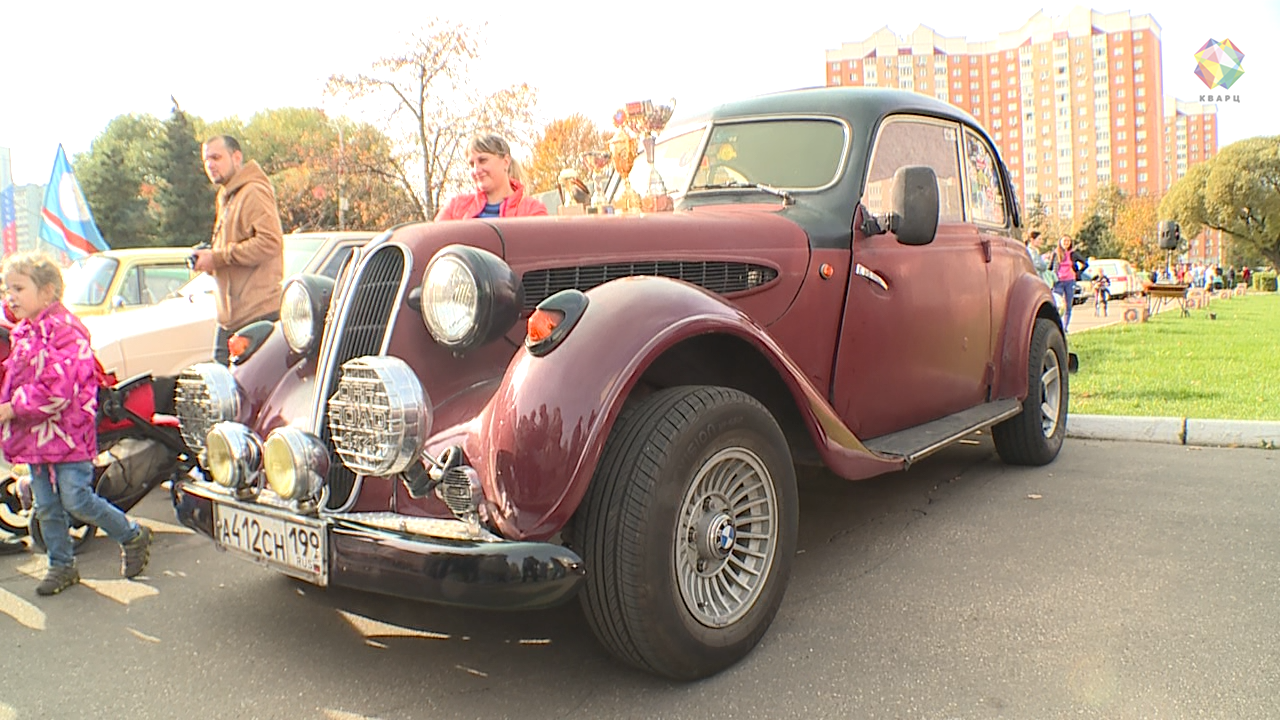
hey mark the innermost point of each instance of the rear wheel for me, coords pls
(12, 519)
(688, 531)
(1034, 436)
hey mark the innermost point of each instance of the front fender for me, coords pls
(541, 437)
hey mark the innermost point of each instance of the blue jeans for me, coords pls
(1067, 289)
(74, 496)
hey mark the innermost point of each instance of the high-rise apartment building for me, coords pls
(1075, 103)
(1191, 137)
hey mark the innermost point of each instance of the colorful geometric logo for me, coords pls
(1218, 64)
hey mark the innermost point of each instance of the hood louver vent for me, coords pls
(717, 276)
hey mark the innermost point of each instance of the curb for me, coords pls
(1176, 431)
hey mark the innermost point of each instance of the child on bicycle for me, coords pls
(48, 409)
(1101, 293)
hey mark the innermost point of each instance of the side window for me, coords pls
(159, 281)
(985, 196)
(916, 141)
(130, 291)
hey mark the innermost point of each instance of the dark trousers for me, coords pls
(221, 353)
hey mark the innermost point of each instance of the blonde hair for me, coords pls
(38, 266)
(495, 144)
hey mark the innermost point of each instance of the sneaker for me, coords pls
(135, 553)
(57, 579)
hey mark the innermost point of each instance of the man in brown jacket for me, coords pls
(247, 253)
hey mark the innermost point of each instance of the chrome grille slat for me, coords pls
(721, 277)
(364, 310)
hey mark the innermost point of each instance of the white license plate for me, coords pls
(298, 548)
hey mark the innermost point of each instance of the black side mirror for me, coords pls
(914, 212)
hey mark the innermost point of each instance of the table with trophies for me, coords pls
(638, 126)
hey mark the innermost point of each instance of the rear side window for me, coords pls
(906, 141)
(985, 195)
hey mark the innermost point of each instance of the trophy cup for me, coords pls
(596, 162)
(647, 120)
(623, 148)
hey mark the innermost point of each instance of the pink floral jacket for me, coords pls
(50, 378)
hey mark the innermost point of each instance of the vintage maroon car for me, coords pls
(508, 413)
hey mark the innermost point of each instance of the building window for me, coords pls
(1142, 177)
(1137, 79)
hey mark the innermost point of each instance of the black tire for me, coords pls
(688, 531)
(80, 534)
(1034, 436)
(12, 519)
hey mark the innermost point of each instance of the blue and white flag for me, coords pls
(65, 220)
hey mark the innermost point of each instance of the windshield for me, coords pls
(801, 154)
(675, 154)
(88, 279)
(298, 252)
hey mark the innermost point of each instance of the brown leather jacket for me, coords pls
(248, 248)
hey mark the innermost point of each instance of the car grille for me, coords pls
(717, 276)
(364, 312)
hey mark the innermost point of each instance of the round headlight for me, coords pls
(295, 317)
(234, 456)
(205, 394)
(296, 463)
(379, 416)
(303, 307)
(449, 300)
(469, 297)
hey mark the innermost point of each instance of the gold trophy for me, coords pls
(596, 162)
(623, 148)
(646, 120)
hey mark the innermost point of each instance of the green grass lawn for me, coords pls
(1194, 367)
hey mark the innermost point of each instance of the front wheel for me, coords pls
(1034, 436)
(688, 531)
(13, 519)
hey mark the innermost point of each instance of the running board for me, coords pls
(915, 443)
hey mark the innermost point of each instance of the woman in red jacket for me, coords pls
(499, 192)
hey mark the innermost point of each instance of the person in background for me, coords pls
(48, 419)
(246, 254)
(1101, 294)
(499, 192)
(1067, 264)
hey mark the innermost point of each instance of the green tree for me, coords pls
(434, 108)
(185, 198)
(1236, 192)
(1095, 233)
(118, 177)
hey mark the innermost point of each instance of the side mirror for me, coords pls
(914, 212)
(117, 302)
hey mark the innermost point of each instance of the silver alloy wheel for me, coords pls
(1050, 392)
(726, 537)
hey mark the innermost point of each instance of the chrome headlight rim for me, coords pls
(296, 464)
(496, 296)
(242, 465)
(379, 416)
(304, 305)
(205, 394)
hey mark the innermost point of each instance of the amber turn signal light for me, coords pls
(542, 323)
(237, 344)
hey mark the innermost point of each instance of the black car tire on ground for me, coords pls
(1034, 436)
(688, 531)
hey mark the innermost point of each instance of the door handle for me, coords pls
(863, 271)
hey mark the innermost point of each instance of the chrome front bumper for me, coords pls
(389, 554)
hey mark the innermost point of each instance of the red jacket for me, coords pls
(464, 207)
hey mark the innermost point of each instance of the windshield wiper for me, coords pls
(787, 198)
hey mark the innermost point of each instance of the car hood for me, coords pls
(174, 312)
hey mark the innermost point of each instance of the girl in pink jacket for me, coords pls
(48, 409)
(499, 192)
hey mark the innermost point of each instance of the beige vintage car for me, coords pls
(178, 331)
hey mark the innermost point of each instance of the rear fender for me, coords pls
(1030, 300)
(538, 442)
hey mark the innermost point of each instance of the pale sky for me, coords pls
(70, 67)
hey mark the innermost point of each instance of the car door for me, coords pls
(987, 209)
(916, 331)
